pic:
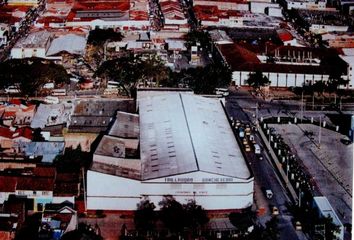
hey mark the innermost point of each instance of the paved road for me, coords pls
(264, 173)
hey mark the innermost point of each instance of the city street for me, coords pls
(265, 176)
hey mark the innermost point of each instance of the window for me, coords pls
(45, 193)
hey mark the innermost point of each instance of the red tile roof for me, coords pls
(35, 183)
(44, 171)
(25, 132)
(8, 184)
(285, 35)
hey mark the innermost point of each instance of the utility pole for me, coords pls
(302, 105)
(319, 133)
(83, 179)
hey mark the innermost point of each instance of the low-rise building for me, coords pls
(285, 66)
(224, 4)
(35, 44)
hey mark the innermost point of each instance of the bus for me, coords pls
(59, 92)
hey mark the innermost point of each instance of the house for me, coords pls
(8, 226)
(339, 40)
(224, 4)
(57, 219)
(51, 115)
(36, 44)
(17, 112)
(46, 150)
(7, 187)
(94, 116)
(35, 184)
(70, 43)
(4, 33)
(66, 187)
(11, 137)
(108, 14)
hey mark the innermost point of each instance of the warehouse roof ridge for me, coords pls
(175, 140)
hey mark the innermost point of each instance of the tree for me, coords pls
(72, 160)
(198, 36)
(145, 216)
(243, 220)
(204, 80)
(100, 36)
(257, 80)
(83, 232)
(195, 215)
(271, 230)
(172, 214)
(30, 74)
(129, 70)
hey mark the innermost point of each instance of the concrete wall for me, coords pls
(121, 193)
(281, 79)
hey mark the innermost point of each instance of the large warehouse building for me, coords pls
(187, 150)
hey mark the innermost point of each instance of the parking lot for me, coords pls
(328, 160)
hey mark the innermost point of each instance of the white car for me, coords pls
(12, 89)
(51, 100)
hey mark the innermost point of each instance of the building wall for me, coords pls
(28, 52)
(123, 194)
(4, 196)
(224, 5)
(23, 2)
(318, 28)
(274, 11)
(306, 5)
(259, 7)
(110, 24)
(281, 79)
(175, 21)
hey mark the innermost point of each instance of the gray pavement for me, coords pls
(330, 163)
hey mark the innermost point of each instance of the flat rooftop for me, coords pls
(183, 133)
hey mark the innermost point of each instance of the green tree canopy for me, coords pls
(198, 36)
(72, 160)
(242, 220)
(145, 216)
(129, 70)
(195, 215)
(257, 80)
(30, 74)
(204, 80)
(100, 36)
(172, 214)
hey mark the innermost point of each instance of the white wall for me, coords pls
(121, 193)
(317, 28)
(109, 24)
(28, 52)
(259, 7)
(281, 79)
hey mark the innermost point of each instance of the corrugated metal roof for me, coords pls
(166, 147)
(214, 142)
(70, 43)
(183, 133)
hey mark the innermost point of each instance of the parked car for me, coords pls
(51, 100)
(12, 89)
